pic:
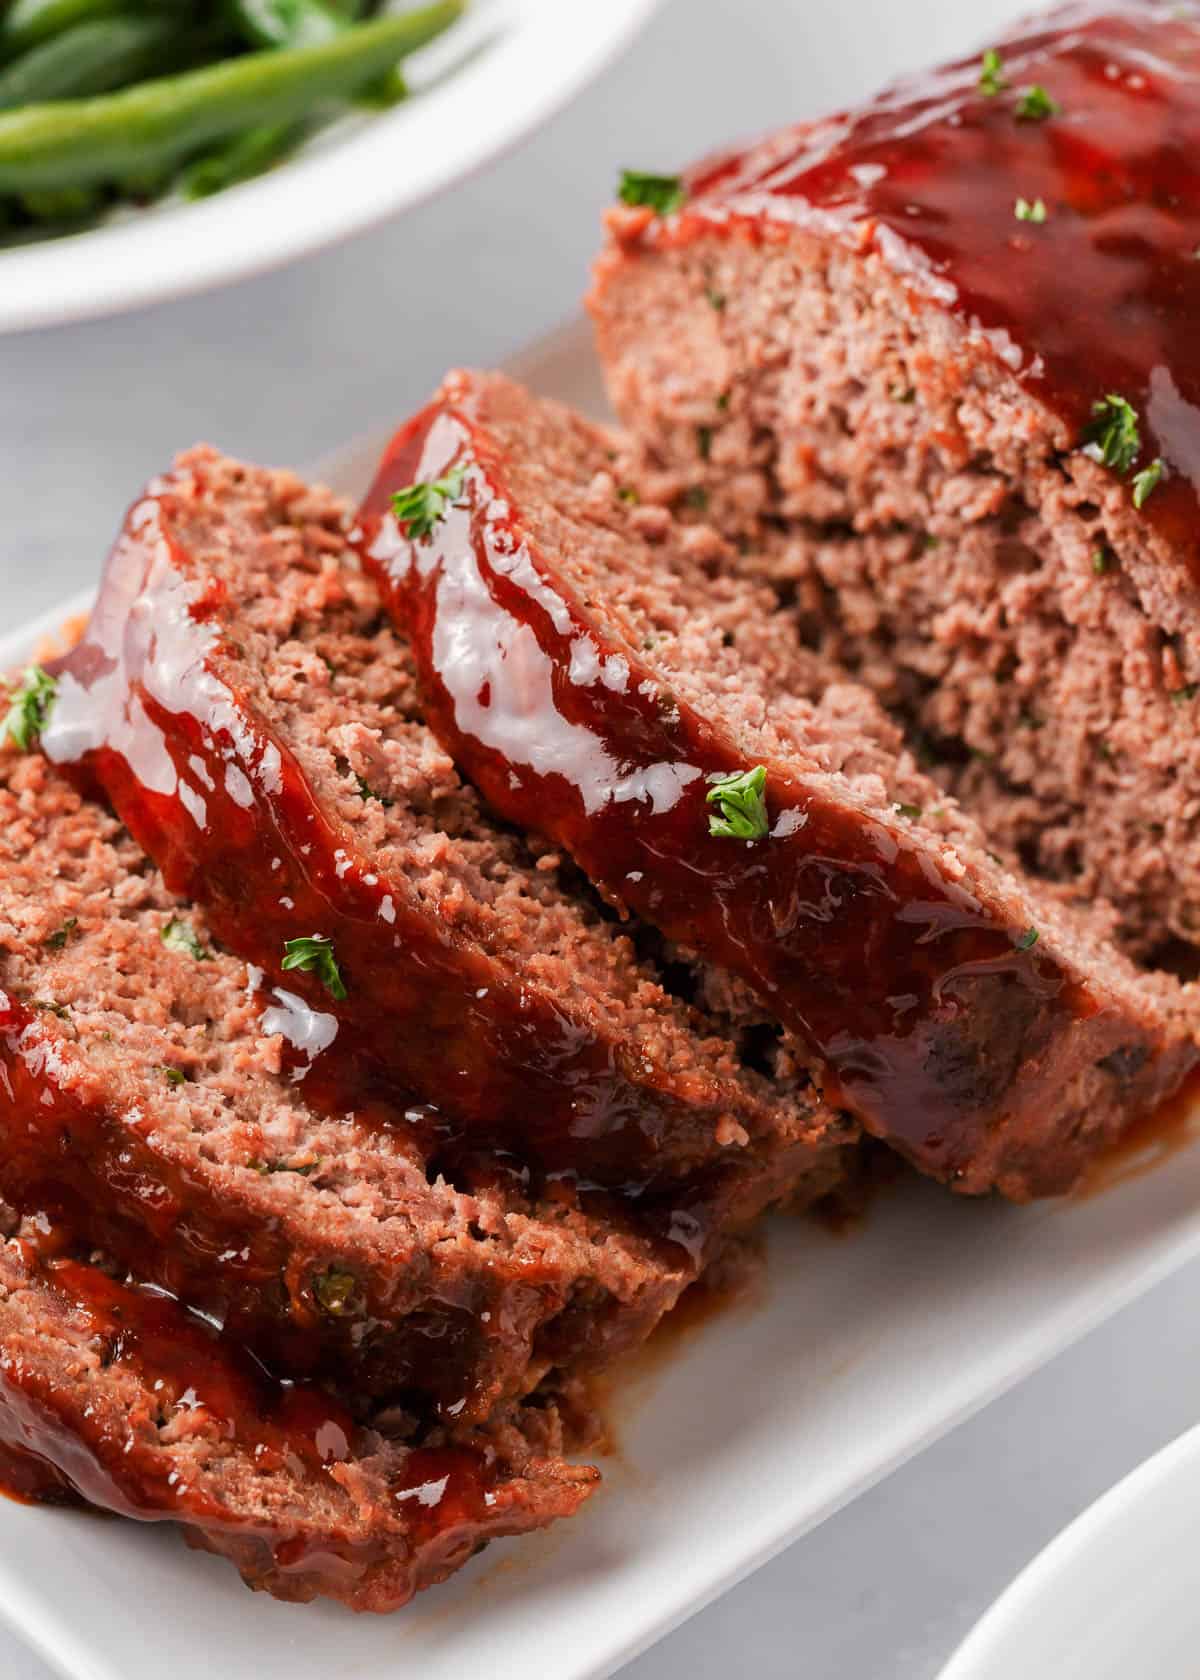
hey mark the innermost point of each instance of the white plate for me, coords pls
(863, 1350)
(1113, 1596)
(485, 85)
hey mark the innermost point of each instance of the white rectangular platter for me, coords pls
(859, 1352)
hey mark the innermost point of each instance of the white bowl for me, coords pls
(490, 81)
(1113, 1596)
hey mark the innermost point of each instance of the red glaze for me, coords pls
(93, 1167)
(940, 1029)
(59, 1436)
(150, 705)
(1104, 296)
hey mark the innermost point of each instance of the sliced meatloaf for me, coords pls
(599, 684)
(149, 1097)
(254, 719)
(119, 1396)
(951, 342)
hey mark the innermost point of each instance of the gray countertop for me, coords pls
(288, 367)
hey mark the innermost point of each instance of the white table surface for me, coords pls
(288, 367)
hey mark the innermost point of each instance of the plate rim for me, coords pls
(391, 165)
(988, 1640)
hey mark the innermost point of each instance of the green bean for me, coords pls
(242, 158)
(155, 124)
(285, 23)
(28, 23)
(67, 204)
(93, 58)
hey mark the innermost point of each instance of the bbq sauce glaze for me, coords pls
(59, 1443)
(84, 1159)
(947, 1030)
(150, 707)
(1101, 297)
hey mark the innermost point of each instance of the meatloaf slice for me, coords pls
(254, 719)
(149, 1098)
(119, 1396)
(586, 670)
(953, 339)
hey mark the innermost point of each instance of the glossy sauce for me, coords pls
(1104, 296)
(150, 705)
(57, 1446)
(92, 1165)
(921, 1000)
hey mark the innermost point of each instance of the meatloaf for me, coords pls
(116, 1395)
(254, 720)
(584, 665)
(149, 1098)
(938, 360)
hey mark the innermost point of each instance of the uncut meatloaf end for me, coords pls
(151, 1100)
(130, 1403)
(254, 719)
(597, 675)
(966, 437)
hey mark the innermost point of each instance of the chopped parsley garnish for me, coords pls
(59, 1009)
(904, 393)
(334, 1291)
(366, 791)
(1112, 437)
(1102, 561)
(315, 956)
(1147, 481)
(715, 298)
(626, 493)
(913, 812)
(1028, 939)
(173, 1075)
(57, 940)
(180, 935)
(30, 707)
(1187, 692)
(704, 441)
(723, 402)
(422, 506)
(1035, 105)
(741, 805)
(1026, 211)
(992, 79)
(660, 193)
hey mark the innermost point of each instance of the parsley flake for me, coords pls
(334, 1291)
(912, 812)
(660, 193)
(315, 956)
(30, 707)
(716, 299)
(1188, 692)
(742, 805)
(1102, 561)
(1112, 437)
(1028, 939)
(180, 935)
(992, 79)
(1035, 105)
(1026, 211)
(366, 791)
(422, 506)
(1147, 481)
(57, 940)
(173, 1075)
